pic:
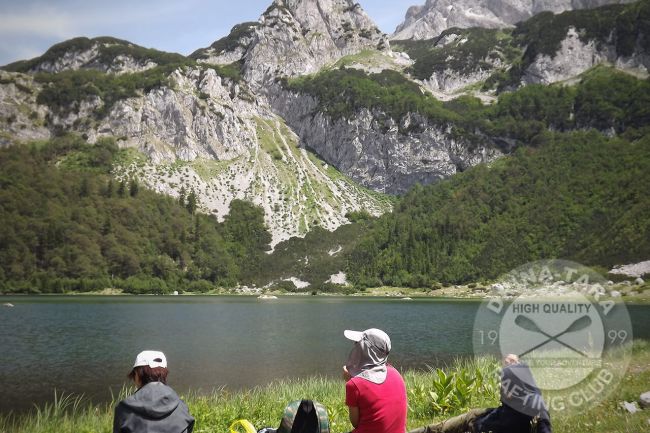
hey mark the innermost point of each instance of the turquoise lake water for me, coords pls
(86, 344)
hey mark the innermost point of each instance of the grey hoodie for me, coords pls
(154, 408)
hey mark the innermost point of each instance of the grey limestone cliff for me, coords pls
(377, 151)
(576, 56)
(429, 20)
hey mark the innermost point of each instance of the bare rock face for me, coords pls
(435, 16)
(372, 148)
(576, 56)
(169, 124)
(296, 37)
(21, 118)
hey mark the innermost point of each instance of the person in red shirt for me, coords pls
(374, 391)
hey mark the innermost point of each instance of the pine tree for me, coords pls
(109, 188)
(121, 190)
(191, 202)
(181, 196)
(84, 189)
(134, 187)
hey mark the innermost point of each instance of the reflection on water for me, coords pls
(87, 344)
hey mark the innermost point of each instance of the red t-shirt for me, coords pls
(382, 407)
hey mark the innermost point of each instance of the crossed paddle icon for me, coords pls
(577, 325)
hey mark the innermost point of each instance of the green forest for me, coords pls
(572, 187)
(68, 225)
(572, 183)
(579, 196)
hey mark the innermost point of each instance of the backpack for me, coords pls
(303, 416)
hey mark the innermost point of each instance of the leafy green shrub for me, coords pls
(357, 216)
(140, 284)
(200, 286)
(286, 286)
(454, 391)
(231, 71)
(66, 90)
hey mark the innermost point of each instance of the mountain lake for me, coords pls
(87, 344)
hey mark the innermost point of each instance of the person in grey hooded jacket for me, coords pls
(154, 407)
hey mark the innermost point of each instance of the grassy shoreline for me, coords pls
(456, 293)
(474, 385)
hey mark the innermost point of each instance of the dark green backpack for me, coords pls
(304, 416)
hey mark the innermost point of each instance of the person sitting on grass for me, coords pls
(522, 406)
(154, 407)
(374, 391)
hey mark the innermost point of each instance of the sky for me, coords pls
(29, 27)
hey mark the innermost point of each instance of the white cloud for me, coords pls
(41, 23)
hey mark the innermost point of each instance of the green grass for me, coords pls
(208, 169)
(433, 396)
(267, 138)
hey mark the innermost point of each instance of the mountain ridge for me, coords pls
(211, 120)
(295, 37)
(435, 16)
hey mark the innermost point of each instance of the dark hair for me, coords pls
(148, 374)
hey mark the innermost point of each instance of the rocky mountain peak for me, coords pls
(295, 37)
(435, 16)
(105, 54)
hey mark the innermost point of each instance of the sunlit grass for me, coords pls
(433, 396)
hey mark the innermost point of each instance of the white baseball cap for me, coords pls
(151, 358)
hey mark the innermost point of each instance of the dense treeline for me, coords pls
(343, 92)
(66, 90)
(604, 99)
(314, 258)
(66, 225)
(578, 195)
